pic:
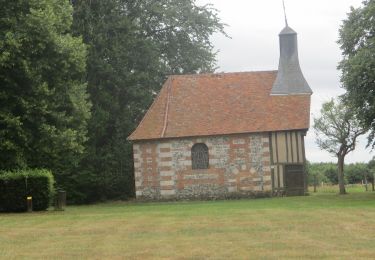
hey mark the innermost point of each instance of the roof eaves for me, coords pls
(220, 134)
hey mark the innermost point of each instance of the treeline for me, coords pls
(77, 76)
(353, 173)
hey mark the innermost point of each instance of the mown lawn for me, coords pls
(323, 225)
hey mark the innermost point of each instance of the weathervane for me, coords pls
(286, 21)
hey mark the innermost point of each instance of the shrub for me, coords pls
(16, 186)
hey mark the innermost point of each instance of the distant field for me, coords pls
(323, 225)
(350, 188)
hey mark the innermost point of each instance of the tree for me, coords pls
(357, 172)
(330, 172)
(43, 100)
(337, 130)
(371, 167)
(316, 173)
(133, 46)
(357, 43)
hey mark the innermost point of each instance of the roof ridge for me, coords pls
(222, 73)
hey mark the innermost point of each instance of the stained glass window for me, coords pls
(199, 156)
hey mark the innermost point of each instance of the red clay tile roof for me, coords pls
(224, 103)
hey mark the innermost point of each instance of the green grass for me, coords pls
(323, 225)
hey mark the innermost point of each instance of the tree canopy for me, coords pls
(357, 43)
(77, 76)
(44, 106)
(133, 47)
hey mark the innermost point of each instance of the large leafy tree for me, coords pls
(357, 42)
(43, 100)
(133, 46)
(337, 130)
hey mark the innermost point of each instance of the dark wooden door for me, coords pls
(294, 180)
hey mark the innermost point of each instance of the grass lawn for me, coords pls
(323, 225)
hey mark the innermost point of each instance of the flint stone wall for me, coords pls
(239, 166)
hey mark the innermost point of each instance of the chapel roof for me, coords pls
(221, 104)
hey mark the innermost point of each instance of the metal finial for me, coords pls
(286, 21)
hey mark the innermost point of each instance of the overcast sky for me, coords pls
(254, 26)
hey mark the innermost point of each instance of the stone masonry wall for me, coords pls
(239, 166)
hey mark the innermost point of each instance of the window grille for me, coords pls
(199, 156)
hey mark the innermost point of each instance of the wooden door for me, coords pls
(294, 180)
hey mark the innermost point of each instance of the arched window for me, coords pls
(199, 156)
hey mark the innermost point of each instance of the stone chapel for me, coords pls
(226, 135)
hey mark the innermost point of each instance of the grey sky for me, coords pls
(254, 26)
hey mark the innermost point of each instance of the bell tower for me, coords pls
(289, 80)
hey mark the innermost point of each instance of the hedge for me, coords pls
(16, 186)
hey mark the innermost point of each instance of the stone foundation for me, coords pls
(239, 166)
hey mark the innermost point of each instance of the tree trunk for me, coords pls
(315, 183)
(340, 172)
(373, 182)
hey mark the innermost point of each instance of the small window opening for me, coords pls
(199, 156)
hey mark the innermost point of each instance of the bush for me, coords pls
(356, 172)
(16, 186)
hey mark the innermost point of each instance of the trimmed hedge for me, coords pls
(16, 186)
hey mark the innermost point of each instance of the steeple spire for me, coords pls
(289, 80)
(286, 20)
